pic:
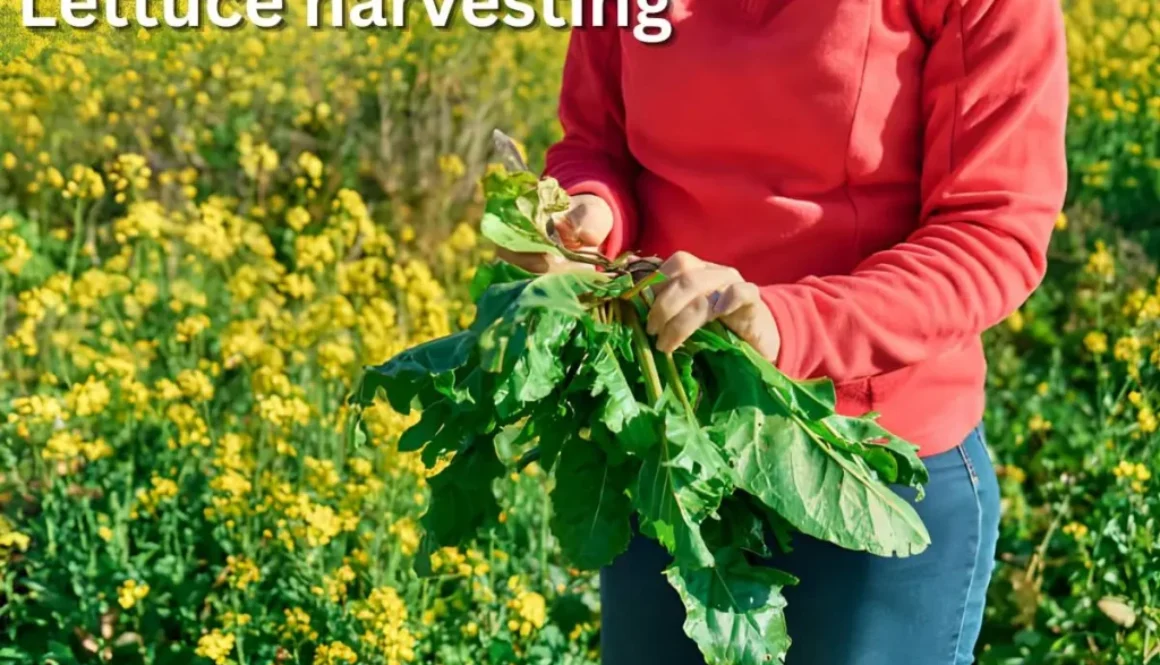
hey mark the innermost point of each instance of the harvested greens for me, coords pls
(711, 447)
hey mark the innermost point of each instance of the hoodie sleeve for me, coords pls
(593, 156)
(994, 178)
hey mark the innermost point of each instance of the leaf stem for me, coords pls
(652, 379)
(590, 258)
(674, 378)
(78, 220)
(641, 286)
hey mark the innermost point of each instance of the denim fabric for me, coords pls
(850, 608)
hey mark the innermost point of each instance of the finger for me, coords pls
(540, 263)
(675, 294)
(682, 325)
(754, 324)
(679, 263)
(586, 224)
(532, 262)
(741, 309)
(559, 264)
(734, 297)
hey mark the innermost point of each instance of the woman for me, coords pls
(858, 188)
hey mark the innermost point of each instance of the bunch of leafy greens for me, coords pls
(711, 447)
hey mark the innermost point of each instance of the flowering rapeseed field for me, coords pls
(205, 234)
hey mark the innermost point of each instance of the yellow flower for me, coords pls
(1015, 473)
(1101, 263)
(36, 408)
(530, 609)
(334, 653)
(384, 617)
(452, 166)
(216, 646)
(313, 253)
(1147, 421)
(160, 491)
(191, 327)
(11, 539)
(1127, 349)
(256, 159)
(1136, 474)
(1037, 423)
(1075, 530)
(1096, 342)
(194, 385)
(1061, 221)
(297, 625)
(242, 572)
(88, 398)
(130, 593)
(65, 445)
(297, 218)
(1015, 321)
(407, 533)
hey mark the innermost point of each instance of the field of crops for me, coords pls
(205, 235)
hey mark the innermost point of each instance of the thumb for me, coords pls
(586, 224)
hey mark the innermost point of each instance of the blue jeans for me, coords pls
(850, 608)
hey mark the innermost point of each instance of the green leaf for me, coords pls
(427, 368)
(462, 499)
(895, 460)
(501, 184)
(590, 505)
(538, 369)
(822, 491)
(495, 303)
(740, 523)
(619, 410)
(561, 292)
(813, 399)
(432, 421)
(496, 272)
(552, 197)
(734, 611)
(553, 424)
(682, 481)
(514, 238)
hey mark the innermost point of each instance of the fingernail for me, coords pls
(715, 302)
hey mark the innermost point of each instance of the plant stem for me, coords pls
(78, 220)
(652, 379)
(641, 286)
(585, 257)
(674, 377)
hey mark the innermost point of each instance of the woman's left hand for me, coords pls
(697, 292)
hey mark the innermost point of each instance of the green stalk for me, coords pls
(674, 377)
(3, 308)
(78, 220)
(640, 343)
(641, 286)
(589, 258)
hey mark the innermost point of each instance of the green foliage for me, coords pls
(1074, 384)
(564, 359)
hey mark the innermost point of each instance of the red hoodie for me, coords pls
(888, 171)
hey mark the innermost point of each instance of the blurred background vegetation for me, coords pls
(205, 234)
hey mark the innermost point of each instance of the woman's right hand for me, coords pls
(584, 227)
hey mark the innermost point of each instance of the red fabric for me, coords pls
(888, 171)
